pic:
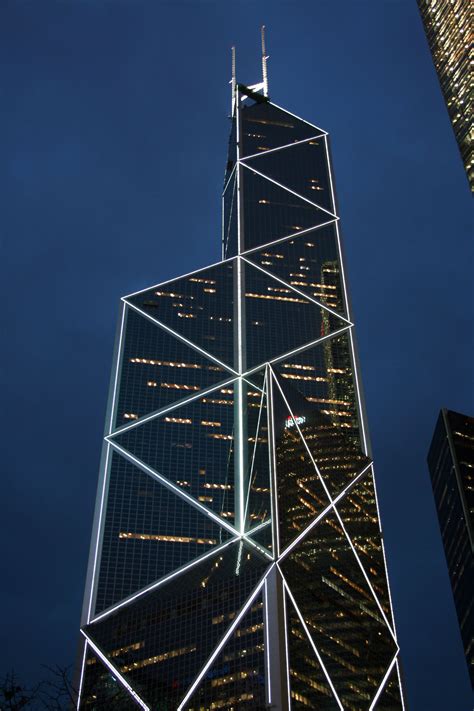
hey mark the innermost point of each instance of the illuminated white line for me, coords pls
(400, 684)
(99, 531)
(359, 398)
(272, 469)
(175, 489)
(165, 579)
(174, 406)
(229, 178)
(178, 278)
(366, 577)
(253, 385)
(295, 351)
(114, 671)
(291, 236)
(252, 531)
(280, 185)
(254, 451)
(81, 680)
(323, 513)
(310, 639)
(330, 174)
(222, 229)
(383, 682)
(321, 130)
(326, 490)
(343, 273)
(287, 652)
(230, 216)
(258, 546)
(267, 640)
(183, 339)
(117, 370)
(223, 641)
(280, 148)
(298, 291)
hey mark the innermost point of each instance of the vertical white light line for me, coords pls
(287, 653)
(99, 530)
(267, 642)
(383, 682)
(397, 663)
(249, 483)
(272, 465)
(117, 370)
(81, 680)
(359, 399)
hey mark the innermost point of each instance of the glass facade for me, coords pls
(451, 465)
(237, 558)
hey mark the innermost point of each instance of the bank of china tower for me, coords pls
(237, 559)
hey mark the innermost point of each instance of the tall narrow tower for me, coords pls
(237, 560)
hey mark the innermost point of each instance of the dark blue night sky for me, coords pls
(114, 135)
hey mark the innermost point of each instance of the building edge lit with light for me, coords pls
(237, 559)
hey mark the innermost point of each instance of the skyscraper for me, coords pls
(448, 29)
(451, 465)
(237, 560)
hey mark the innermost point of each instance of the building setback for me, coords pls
(451, 465)
(237, 559)
(448, 29)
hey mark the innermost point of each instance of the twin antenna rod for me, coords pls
(263, 85)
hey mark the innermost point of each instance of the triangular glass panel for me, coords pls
(193, 447)
(258, 496)
(237, 677)
(272, 212)
(158, 369)
(301, 494)
(340, 612)
(358, 511)
(199, 307)
(390, 699)
(161, 641)
(323, 375)
(265, 126)
(232, 151)
(309, 263)
(278, 319)
(262, 537)
(229, 225)
(101, 690)
(308, 684)
(148, 533)
(302, 168)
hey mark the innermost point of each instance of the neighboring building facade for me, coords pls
(237, 559)
(448, 28)
(451, 465)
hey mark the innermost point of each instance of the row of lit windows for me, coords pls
(167, 539)
(157, 659)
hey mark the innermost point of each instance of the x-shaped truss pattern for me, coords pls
(237, 551)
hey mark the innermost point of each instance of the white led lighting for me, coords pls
(249, 483)
(117, 370)
(267, 642)
(384, 681)
(280, 148)
(291, 236)
(81, 679)
(320, 130)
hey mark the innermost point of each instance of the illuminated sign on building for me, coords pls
(290, 421)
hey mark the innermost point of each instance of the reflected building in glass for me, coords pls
(237, 560)
(451, 465)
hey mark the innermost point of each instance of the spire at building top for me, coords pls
(260, 86)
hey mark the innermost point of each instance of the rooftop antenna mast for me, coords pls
(264, 63)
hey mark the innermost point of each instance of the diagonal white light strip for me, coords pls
(223, 641)
(99, 530)
(181, 338)
(384, 681)
(229, 179)
(253, 385)
(261, 549)
(254, 450)
(117, 370)
(81, 680)
(295, 351)
(175, 489)
(293, 235)
(288, 190)
(321, 130)
(165, 579)
(310, 639)
(182, 276)
(400, 684)
(280, 148)
(173, 406)
(307, 297)
(333, 197)
(359, 397)
(272, 469)
(323, 513)
(230, 213)
(115, 672)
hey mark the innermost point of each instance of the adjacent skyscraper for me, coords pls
(237, 560)
(448, 28)
(451, 465)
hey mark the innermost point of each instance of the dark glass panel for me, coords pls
(301, 495)
(192, 446)
(199, 307)
(342, 616)
(101, 691)
(232, 151)
(158, 369)
(358, 510)
(161, 641)
(302, 168)
(148, 533)
(278, 319)
(258, 499)
(237, 678)
(264, 126)
(309, 263)
(271, 212)
(390, 698)
(308, 684)
(230, 206)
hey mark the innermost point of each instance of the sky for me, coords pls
(114, 128)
